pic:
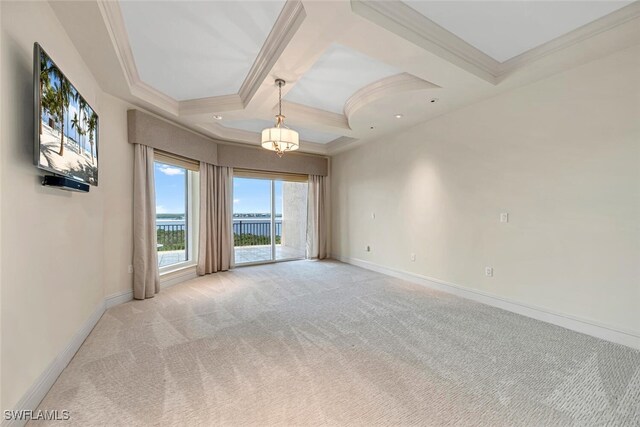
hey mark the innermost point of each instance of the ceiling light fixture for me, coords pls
(280, 138)
(398, 116)
(217, 116)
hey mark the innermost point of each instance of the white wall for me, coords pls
(116, 175)
(1, 204)
(562, 156)
(61, 251)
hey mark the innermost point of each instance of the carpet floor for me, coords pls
(325, 343)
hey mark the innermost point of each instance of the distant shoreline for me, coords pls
(236, 217)
(248, 220)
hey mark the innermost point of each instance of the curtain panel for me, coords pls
(317, 217)
(216, 217)
(146, 279)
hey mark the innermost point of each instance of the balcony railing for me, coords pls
(171, 237)
(255, 233)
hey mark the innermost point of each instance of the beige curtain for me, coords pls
(216, 216)
(317, 217)
(146, 279)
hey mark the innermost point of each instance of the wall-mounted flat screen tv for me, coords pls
(66, 128)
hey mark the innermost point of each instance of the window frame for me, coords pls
(192, 204)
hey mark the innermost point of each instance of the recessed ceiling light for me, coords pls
(398, 116)
(217, 117)
(434, 100)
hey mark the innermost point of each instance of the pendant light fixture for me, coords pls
(280, 138)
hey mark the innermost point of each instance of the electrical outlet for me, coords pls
(131, 269)
(504, 217)
(488, 271)
(413, 257)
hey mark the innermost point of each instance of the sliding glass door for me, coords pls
(269, 219)
(252, 220)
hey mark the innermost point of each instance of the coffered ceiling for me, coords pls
(335, 76)
(198, 49)
(355, 70)
(504, 29)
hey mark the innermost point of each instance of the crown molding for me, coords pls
(214, 104)
(112, 16)
(316, 116)
(605, 23)
(403, 82)
(231, 134)
(341, 144)
(286, 26)
(404, 21)
(154, 97)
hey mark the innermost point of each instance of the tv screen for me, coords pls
(66, 128)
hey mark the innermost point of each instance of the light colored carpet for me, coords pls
(310, 343)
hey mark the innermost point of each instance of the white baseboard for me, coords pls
(170, 279)
(179, 276)
(118, 298)
(584, 326)
(45, 381)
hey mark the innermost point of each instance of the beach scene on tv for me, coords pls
(68, 127)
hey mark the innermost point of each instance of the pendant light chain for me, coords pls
(280, 98)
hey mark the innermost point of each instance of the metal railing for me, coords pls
(255, 233)
(171, 237)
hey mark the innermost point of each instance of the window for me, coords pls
(176, 187)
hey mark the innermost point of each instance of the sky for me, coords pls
(249, 195)
(254, 195)
(170, 189)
